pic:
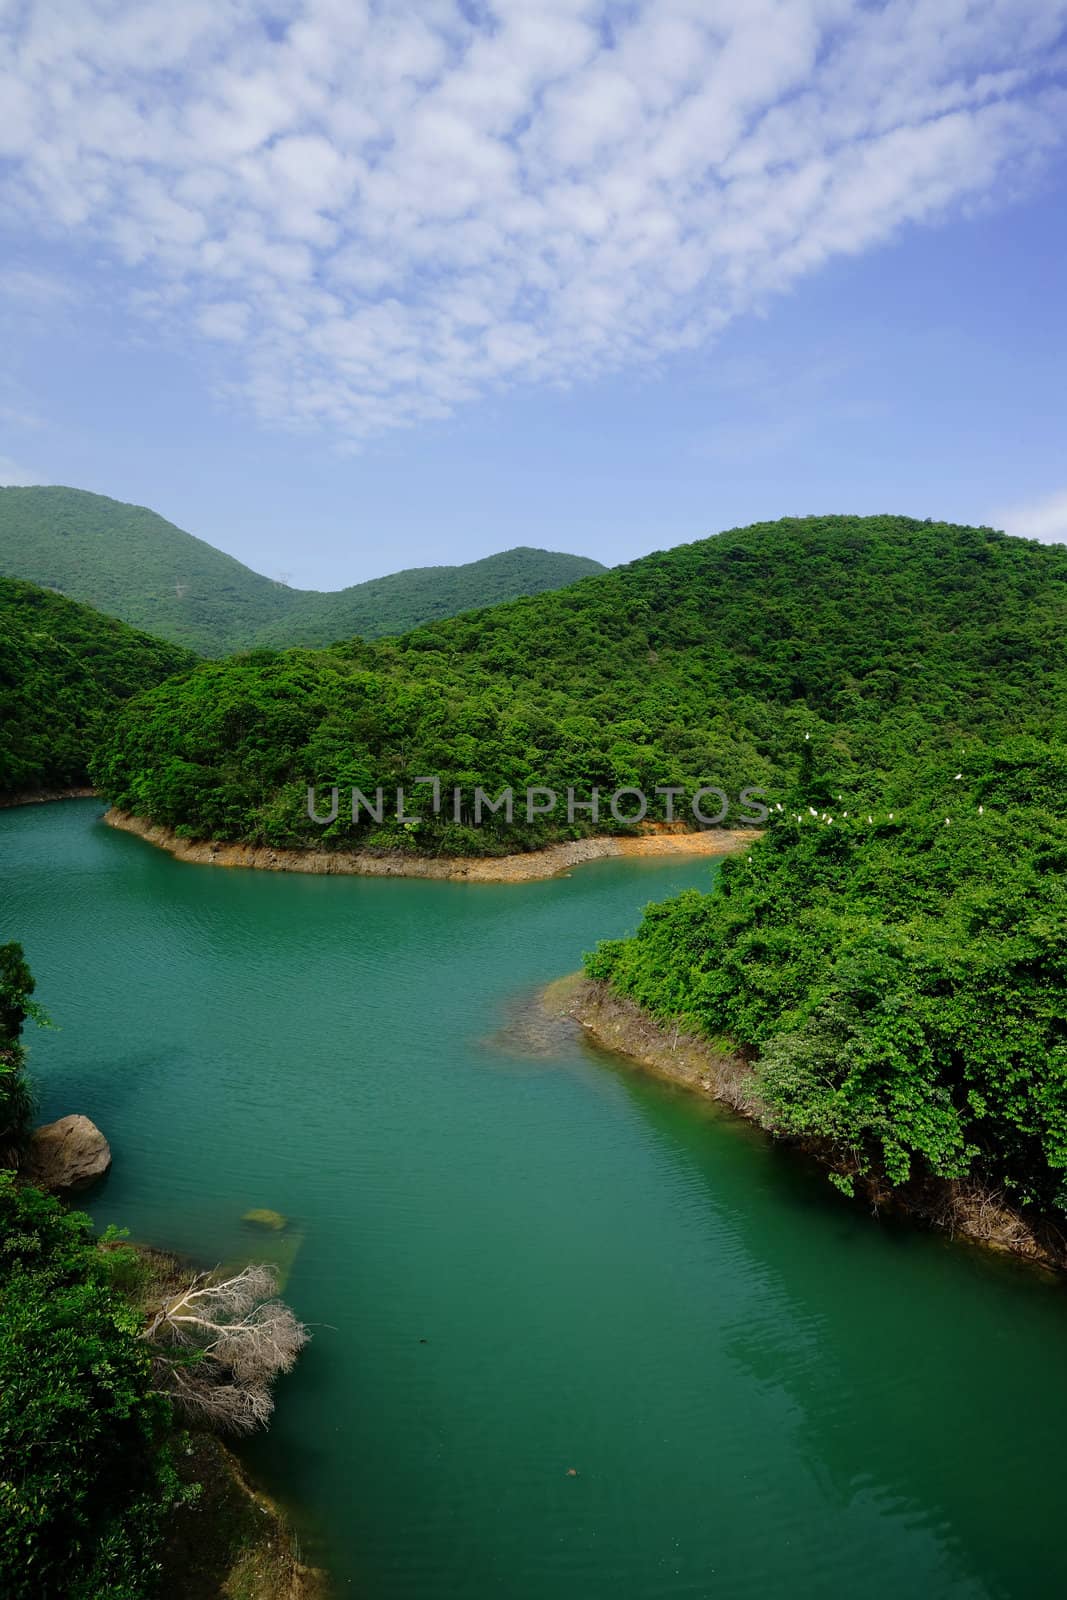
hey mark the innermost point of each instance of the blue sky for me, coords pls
(376, 285)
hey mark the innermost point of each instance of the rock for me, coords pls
(264, 1218)
(69, 1154)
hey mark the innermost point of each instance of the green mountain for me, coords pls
(64, 671)
(135, 565)
(875, 637)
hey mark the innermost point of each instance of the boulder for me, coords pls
(69, 1154)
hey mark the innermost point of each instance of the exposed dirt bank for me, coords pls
(37, 797)
(615, 1023)
(232, 1542)
(393, 864)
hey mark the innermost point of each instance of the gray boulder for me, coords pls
(69, 1154)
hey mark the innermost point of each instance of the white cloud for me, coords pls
(1037, 519)
(226, 320)
(12, 476)
(377, 212)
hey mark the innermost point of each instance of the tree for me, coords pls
(85, 1475)
(218, 1345)
(16, 1098)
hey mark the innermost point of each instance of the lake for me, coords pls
(522, 1257)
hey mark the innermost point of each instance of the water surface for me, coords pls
(520, 1263)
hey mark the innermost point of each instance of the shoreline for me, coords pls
(234, 1538)
(616, 1024)
(520, 868)
(40, 797)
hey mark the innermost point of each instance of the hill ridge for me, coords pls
(130, 562)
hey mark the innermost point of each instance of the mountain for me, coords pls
(64, 671)
(866, 639)
(133, 564)
(405, 600)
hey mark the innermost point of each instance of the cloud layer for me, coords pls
(1037, 519)
(375, 212)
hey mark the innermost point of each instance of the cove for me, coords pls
(522, 1257)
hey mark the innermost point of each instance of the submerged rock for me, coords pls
(69, 1154)
(263, 1217)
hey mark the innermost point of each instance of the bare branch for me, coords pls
(230, 1339)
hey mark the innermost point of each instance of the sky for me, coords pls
(353, 285)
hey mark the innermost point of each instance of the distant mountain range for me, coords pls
(133, 564)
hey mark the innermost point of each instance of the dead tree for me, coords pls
(219, 1344)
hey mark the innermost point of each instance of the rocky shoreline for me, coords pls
(615, 1023)
(40, 797)
(547, 863)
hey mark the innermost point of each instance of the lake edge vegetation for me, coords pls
(102, 1370)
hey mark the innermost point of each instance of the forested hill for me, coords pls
(877, 637)
(405, 600)
(64, 671)
(898, 974)
(135, 565)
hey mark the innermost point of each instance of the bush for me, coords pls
(85, 1476)
(16, 1099)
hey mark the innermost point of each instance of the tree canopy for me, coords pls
(878, 637)
(64, 671)
(899, 974)
(85, 1476)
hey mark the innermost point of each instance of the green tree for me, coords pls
(16, 1099)
(85, 1477)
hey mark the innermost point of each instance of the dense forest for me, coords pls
(135, 565)
(898, 973)
(713, 663)
(64, 670)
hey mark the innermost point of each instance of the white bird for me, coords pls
(981, 809)
(844, 813)
(807, 736)
(957, 778)
(947, 821)
(890, 816)
(813, 811)
(869, 817)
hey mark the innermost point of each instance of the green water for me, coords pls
(764, 1393)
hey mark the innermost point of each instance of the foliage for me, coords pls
(64, 670)
(419, 595)
(16, 1099)
(876, 636)
(903, 982)
(133, 564)
(85, 1478)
